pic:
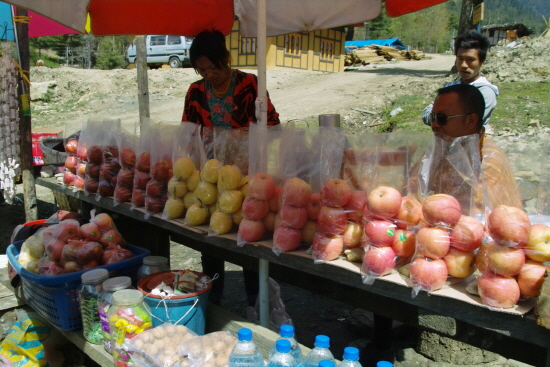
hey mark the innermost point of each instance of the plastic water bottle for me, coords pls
(327, 363)
(351, 358)
(319, 353)
(384, 364)
(286, 332)
(282, 356)
(245, 353)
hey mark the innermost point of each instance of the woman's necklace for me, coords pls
(226, 88)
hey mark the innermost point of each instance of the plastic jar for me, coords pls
(110, 286)
(152, 265)
(88, 293)
(128, 317)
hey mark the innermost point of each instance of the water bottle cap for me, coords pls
(244, 334)
(384, 364)
(286, 331)
(351, 354)
(322, 341)
(326, 363)
(282, 346)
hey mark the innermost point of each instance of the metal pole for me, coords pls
(264, 293)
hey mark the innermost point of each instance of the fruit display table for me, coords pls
(500, 332)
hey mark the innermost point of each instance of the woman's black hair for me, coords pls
(210, 44)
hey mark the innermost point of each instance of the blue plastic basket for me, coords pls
(56, 297)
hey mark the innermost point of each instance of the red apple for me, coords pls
(91, 185)
(313, 206)
(125, 177)
(94, 154)
(138, 197)
(482, 260)
(531, 277)
(140, 179)
(433, 242)
(155, 189)
(71, 146)
(144, 162)
(509, 226)
(538, 245)
(296, 192)
(505, 260)
(308, 232)
(82, 153)
(251, 230)
(497, 290)
(335, 192)
(441, 210)
(286, 239)
(326, 248)
(269, 221)
(68, 178)
(154, 205)
(274, 201)
(356, 204)
(90, 231)
(378, 261)
(79, 182)
(467, 234)
(255, 209)
(404, 243)
(293, 217)
(92, 170)
(71, 162)
(384, 202)
(162, 170)
(409, 212)
(81, 169)
(127, 157)
(122, 194)
(352, 235)
(427, 274)
(261, 186)
(380, 232)
(332, 221)
(460, 264)
(103, 221)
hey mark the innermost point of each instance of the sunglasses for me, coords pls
(442, 119)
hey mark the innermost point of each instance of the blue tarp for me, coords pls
(6, 24)
(391, 42)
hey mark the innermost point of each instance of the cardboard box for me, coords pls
(39, 133)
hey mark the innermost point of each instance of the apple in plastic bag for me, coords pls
(230, 201)
(433, 242)
(538, 245)
(220, 222)
(352, 235)
(210, 170)
(296, 192)
(504, 260)
(229, 177)
(177, 188)
(206, 192)
(378, 261)
(193, 181)
(404, 243)
(326, 248)
(460, 264)
(274, 201)
(498, 291)
(269, 221)
(409, 212)
(509, 226)
(261, 186)
(127, 157)
(380, 232)
(308, 232)
(183, 168)
(293, 217)
(384, 202)
(174, 208)
(251, 230)
(355, 205)
(467, 234)
(286, 239)
(428, 274)
(441, 210)
(162, 171)
(197, 214)
(332, 221)
(335, 192)
(531, 277)
(255, 209)
(313, 206)
(238, 217)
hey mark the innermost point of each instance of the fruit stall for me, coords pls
(331, 213)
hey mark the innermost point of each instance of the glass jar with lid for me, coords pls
(153, 264)
(110, 286)
(128, 316)
(88, 294)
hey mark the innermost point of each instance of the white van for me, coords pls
(162, 49)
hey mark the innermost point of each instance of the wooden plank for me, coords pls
(518, 327)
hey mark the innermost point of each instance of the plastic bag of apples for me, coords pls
(127, 143)
(91, 145)
(71, 147)
(143, 163)
(110, 164)
(188, 154)
(260, 188)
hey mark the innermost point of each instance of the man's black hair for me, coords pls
(210, 44)
(473, 40)
(471, 99)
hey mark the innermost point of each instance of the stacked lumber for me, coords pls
(374, 54)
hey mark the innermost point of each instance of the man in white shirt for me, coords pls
(471, 52)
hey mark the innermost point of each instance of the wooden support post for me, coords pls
(143, 83)
(29, 191)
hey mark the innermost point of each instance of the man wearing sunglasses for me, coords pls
(471, 52)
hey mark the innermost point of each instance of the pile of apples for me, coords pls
(82, 159)
(69, 247)
(388, 219)
(156, 189)
(94, 157)
(71, 162)
(141, 177)
(108, 171)
(125, 176)
(511, 262)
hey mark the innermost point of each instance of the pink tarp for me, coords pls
(40, 26)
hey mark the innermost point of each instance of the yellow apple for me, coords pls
(237, 217)
(209, 172)
(308, 232)
(206, 192)
(196, 215)
(177, 188)
(174, 208)
(353, 235)
(244, 186)
(220, 222)
(183, 168)
(230, 201)
(538, 245)
(229, 177)
(190, 199)
(193, 180)
(460, 264)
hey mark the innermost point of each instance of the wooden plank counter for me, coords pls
(495, 331)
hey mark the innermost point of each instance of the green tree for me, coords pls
(379, 28)
(111, 52)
